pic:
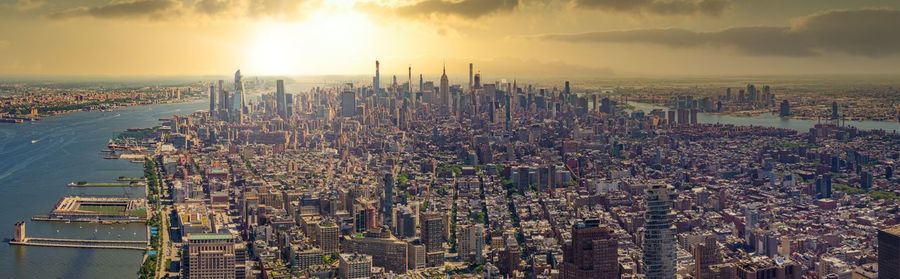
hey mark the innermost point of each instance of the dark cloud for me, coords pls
(213, 7)
(127, 9)
(471, 9)
(660, 7)
(869, 32)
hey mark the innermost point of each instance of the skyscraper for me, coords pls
(376, 83)
(889, 252)
(433, 237)
(223, 96)
(280, 98)
(659, 235)
(387, 202)
(471, 68)
(348, 103)
(212, 99)
(834, 110)
(444, 94)
(785, 109)
(237, 106)
(209, 256)
(593, 252)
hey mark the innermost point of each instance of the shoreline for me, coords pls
(750, 114)
(116, 108)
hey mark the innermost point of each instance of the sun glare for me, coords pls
(325, 41)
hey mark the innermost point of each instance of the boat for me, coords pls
(34, 141)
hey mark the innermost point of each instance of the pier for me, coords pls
(21, 239)
(82, 243)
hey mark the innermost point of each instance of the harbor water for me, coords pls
(38, 159)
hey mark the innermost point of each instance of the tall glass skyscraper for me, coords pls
(659, 234)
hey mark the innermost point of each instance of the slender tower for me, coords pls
(212, 99)
(470, 76)
(377, 82)
(223, 97)
(237, 105)
(409, 84)
(445, 89)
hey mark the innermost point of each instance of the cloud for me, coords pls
(26, 5)
(659, 7)
(867, 32)
(122, 9)
(213, 7)
(470, 9)
(275, 8)
(172, 9)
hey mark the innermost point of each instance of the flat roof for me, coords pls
(209, 236)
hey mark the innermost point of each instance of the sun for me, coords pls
(321, 43)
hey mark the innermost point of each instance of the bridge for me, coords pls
(82, 243)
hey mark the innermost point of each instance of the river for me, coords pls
(771, 120)
(33, 176)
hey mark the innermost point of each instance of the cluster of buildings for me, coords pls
(509, 180)
(798, 100)
(28, 102)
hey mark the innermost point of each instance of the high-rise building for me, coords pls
(834, 110)
(785, 109)
(212, 99)
(223, 96)
(752, 94)
(432, 234)
(237, 106)
(593, 252)
(706, 254)
(659, 233)
(406, 222)
(471, 84)
(352, 266)
(444, 92)
(348, 103)
(470, 242)
(328, 236)
(376, 82)
(387, 201)
(209, 256)
(288, 105)
(280, 99)
(889, 252)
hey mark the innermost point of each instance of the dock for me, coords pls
(83, 243)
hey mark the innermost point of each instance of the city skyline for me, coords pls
(577, 38)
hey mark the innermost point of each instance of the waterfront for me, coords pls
(771, 120)
(34, 176)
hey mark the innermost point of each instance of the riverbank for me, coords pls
(771, 120)
(34, 176)
(12, 119)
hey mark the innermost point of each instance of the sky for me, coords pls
(508, 38)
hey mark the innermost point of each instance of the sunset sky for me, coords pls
(506, 37)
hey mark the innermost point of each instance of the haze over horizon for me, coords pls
(577, 38)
